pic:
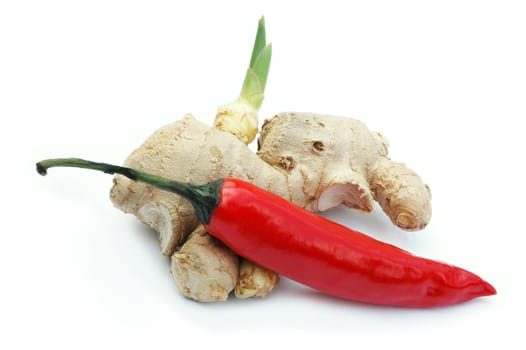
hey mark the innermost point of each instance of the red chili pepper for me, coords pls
(308, 248)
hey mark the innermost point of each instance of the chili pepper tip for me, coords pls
(489, 289)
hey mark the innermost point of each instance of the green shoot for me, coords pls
(256, 77)
(240, 117)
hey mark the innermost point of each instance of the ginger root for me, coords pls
(315, 161)
(338, 160)
(191, 151)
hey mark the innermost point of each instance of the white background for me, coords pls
(445, 81)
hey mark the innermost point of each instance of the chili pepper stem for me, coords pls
(204, 198)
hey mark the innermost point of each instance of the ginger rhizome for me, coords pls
(190, 151)
(315, 161)
(338, 160)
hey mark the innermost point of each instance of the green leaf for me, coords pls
(260, 41)
(262, 64)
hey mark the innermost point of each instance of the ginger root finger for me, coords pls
(205, 269)
(254, 280)
(238, 118)
(401, 194)
(171, 216)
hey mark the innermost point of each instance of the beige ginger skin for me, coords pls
(191, 151)
(330, 161)
(337, 160)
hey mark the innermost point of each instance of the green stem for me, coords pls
(204, 198)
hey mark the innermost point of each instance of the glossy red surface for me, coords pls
(330, 257)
